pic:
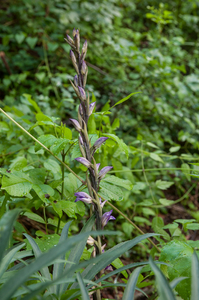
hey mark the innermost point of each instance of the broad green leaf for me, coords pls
(16, 185)
(118, 181)
(164, 290)
(194, 277)
(43, 189)
(34, 217)
(52, 165)
(110, 192)
(84, 292)
(157, 225)
(186, 170)
(75, 152)
(117, 263)
(179, 255)
(130, 288)
(163, 185)
(156, 157)
(166, 202)
(20, 37)
(59, 145)
(174, 149)
(152, 145)
(32, 102)
(69, 208)
(125, 99)
(18, 163)
(120, 143)
(47, 140)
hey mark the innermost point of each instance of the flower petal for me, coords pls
(83, 161)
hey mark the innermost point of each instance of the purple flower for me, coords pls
(82, 93)
(84, 197)
(81, 140)
(76, 125)
(106, 217)
(83, 161)
(91, 107)
(102, 203)
(98, 165)
(99, 142)
(103, 172)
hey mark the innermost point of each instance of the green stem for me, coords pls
(46, 223)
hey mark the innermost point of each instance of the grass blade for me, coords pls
(195, 277)
(130, 289)
(58, 268)
(84, 292)
(6, 225)
(164, 289)
(8, 258)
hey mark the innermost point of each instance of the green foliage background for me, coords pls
(134, 46)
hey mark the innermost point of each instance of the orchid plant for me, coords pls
(93, 175)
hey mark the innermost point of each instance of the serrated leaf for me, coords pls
(120, 143)
(111, 192)
(18, 163)
(59, 145)
(163, 185)
(69, 208)
(15, 185)
(156, 157)
(119, 181)
(47, 140)
(52, 166)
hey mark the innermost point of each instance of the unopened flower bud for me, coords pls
(103, 172)
(76, 125)
(84, 47)
(74, 32)
(84, 197)
(77, 39)
(69, 39)
(74, 61)
(91, 107)
(76, 80)
(82, 93)
(83, 68)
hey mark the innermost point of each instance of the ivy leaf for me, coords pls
(111, 192)
(31, 41)
(120, 143)
(118, 181)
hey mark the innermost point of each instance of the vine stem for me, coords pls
(80, 179)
